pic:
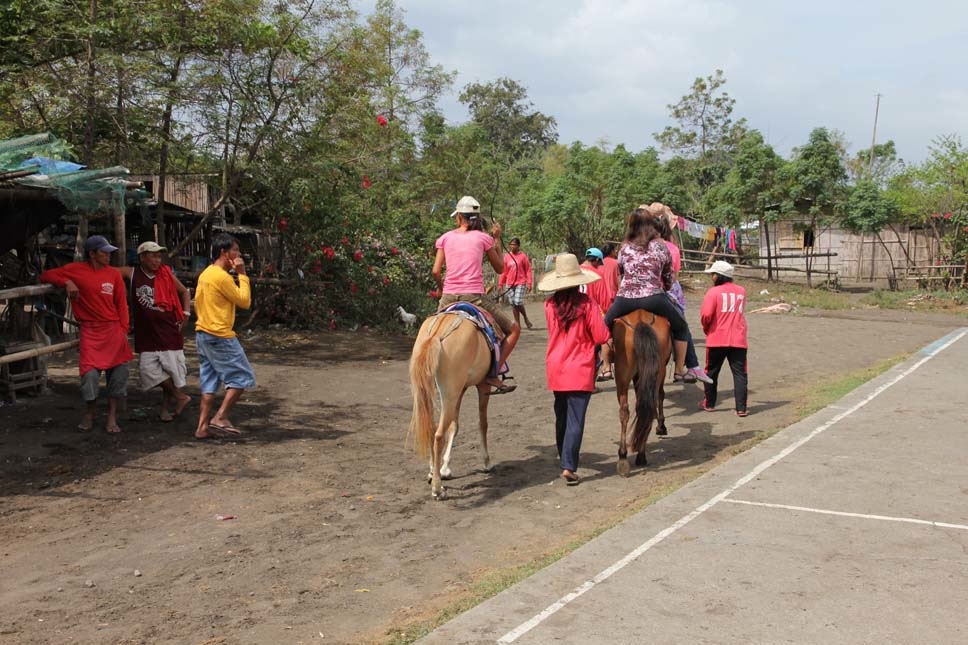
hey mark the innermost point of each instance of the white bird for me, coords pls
(408, 319)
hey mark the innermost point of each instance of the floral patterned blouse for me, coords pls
(647, 271)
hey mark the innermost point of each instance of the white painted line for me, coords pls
(865, 516)
(930, 352)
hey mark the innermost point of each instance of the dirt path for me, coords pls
(336, 538)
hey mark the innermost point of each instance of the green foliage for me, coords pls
(869, 210)
(816, 181)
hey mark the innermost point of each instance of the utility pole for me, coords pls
(877, 108)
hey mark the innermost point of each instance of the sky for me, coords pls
(607, 70)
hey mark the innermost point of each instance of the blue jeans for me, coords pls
(570, 408)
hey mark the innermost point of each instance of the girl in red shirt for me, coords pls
(575, 327)
(724, 322)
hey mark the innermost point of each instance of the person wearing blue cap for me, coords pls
(99, 300)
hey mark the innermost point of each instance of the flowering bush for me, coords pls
(359, 280)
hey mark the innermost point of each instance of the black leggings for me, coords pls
(659, 303)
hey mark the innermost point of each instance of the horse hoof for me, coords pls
(440, 495)
(622, 467)
(661, 431)
(447, 475)
(640, 459)
(430, 478)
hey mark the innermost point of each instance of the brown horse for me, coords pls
(449, 355)
(643, 345)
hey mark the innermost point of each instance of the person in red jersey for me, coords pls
(97, 295)
(724, 322)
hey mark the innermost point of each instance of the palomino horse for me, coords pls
(643, 345)
(449, 355)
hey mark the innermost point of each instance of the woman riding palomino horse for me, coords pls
(462, 250)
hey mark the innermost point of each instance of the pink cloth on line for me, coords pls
(463, 257)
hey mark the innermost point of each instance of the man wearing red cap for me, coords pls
(96, 291)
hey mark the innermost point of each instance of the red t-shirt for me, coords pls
(722, 316)
(570, 359)
(101, 297)
(517, 270)
(598, 290)
(155, 329)
(610, 273)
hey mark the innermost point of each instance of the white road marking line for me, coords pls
(866, 516)
(930, 352)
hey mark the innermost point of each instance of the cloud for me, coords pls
(608, 69)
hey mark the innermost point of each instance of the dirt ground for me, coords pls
(115, 539)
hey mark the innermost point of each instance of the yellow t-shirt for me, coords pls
(216, 298)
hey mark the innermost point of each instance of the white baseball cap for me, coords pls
(721, 267)
(467, 204)
(150, 247)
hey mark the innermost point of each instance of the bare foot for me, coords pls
(165, 415)
(112, 427)
(181, 403)
(87, 422)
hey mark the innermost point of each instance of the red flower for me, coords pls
(433, 294)
(382, 120)
(369, 269)
(332, 324)
(283, 224)
(947, 215)
(366, 182)
(345, 240)
(386, 280)
(328, 252)
(394, 250)
(353, 287)
(934, 216)
(357, 256)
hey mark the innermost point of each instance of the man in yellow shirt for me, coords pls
(220, 356)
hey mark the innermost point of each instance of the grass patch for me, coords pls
(826, 393)
(802, 296)
(951, 302)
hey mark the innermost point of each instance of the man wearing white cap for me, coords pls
(161, 306)
(724, 321)
(96, 291)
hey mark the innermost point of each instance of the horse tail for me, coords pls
(646, 346)
(423, 373)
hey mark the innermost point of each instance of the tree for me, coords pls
(868, 210)
(706, 134)
(816, 183)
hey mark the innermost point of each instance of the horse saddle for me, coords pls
(485, 323)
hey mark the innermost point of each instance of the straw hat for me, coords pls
(721, 267)
(567, 274)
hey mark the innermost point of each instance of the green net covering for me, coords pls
(42, 161)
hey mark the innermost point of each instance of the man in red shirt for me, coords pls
(161, 305)
(96, 291)
(724, 322)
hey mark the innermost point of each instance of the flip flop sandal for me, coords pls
(224, 432)
(742, 413)
(571, 481)
(604, 376)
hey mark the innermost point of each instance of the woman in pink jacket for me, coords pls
(575, 327)
(724, 322)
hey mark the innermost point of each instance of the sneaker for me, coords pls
(703, 406)
(700, 375)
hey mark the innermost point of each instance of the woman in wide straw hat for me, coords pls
(575, 328)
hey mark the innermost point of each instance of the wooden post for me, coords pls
(120, 239)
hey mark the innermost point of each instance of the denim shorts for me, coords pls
(222, 360)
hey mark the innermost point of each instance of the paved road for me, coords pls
(848, 527)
